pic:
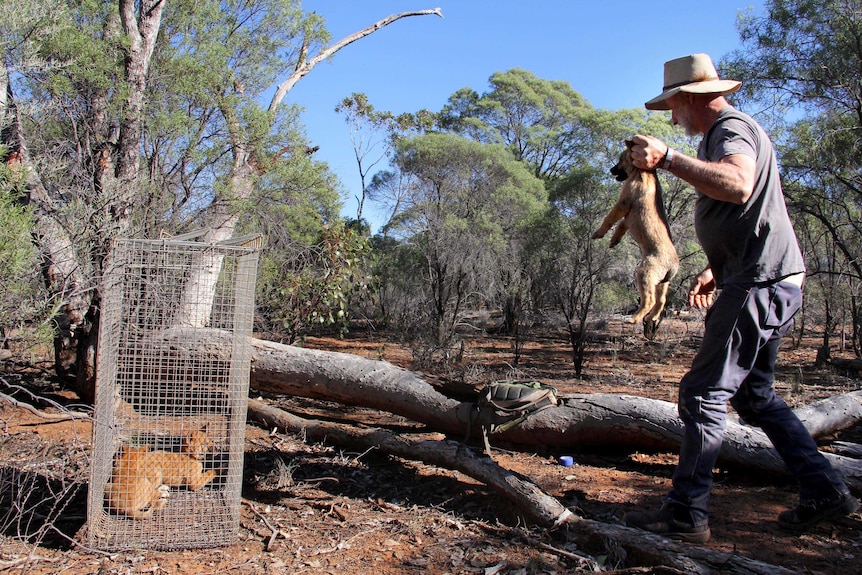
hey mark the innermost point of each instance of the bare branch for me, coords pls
(305, 66)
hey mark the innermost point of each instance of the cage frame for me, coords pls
(209, 516)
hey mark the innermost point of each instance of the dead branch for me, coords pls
(304, 65)
(65, 415)
(537, 506)
(274, 532)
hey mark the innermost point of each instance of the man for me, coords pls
(754, 259)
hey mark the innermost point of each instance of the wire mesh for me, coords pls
(171, 394)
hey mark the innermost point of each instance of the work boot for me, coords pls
(809, 513)
(671, 521)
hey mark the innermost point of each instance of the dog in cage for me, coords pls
(141, 479)
(640, 211)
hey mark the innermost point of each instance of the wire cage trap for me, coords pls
(171, 393)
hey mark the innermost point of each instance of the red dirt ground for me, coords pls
(310, 508)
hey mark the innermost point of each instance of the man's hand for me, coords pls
(702, 290)
(648, 152)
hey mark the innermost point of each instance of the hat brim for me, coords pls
(706, 87)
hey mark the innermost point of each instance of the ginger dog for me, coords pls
(141, 479)
(641, 209)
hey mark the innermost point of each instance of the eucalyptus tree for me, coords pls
(570, 145)
(40, 47)
(467, 205)
(548, 127)
(540, 121)
(263, 40)
(802, 61)
(147, 116)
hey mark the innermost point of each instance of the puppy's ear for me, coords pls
(629, 144)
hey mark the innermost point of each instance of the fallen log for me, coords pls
(639, 547)
(847, 448)
(581, 422)
(537, 506)
(832, 414)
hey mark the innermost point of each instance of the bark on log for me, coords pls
(847, 448)
(639, 547)
(583, 422)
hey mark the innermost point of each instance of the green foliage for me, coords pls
(23, 316)
(295, 206)
(541, 122)
(314, 287)
(209, 145)
(465, 235)
(227, 43)
(466, 209)
(801, 52)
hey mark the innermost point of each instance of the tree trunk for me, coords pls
(584, 422)
(141, 27)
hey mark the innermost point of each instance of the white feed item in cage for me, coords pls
(141, 478)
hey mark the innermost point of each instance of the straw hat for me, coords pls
(694, 74)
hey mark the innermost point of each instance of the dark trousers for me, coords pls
(736, 363)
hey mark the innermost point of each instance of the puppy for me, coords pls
(641, 209)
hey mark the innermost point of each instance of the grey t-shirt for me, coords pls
(754, 242)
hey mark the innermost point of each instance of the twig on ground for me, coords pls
(27, 560)
(80, 545)
(582, 560)
(275, 532)
(64, 415)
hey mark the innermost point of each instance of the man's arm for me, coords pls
(731, 179)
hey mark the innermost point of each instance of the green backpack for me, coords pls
(503, 405)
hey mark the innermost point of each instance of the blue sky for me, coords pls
(612, 52)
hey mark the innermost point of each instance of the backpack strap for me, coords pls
(504, 405)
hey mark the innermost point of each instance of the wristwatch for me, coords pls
(668, 159)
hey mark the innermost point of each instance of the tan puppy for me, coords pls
(641, 209)
(141, 479)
